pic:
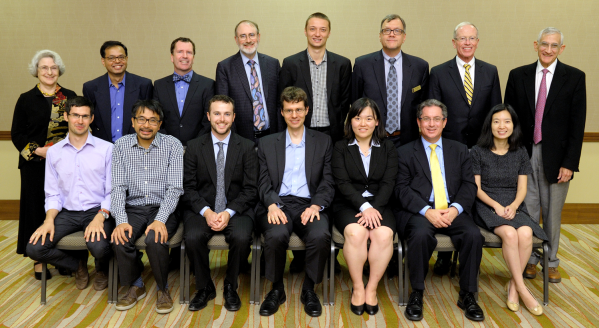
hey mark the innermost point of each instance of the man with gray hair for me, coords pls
(470, 88)
(550, 100)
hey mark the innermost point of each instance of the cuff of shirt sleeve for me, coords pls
(365, 206)
(204, 210)
(53, 205)
(424, 209)
(231, 212)
(105, 205)
(458, 207)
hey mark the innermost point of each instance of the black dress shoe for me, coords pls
(311, 303)
(200, 300)
(38, 275)
(271, 303)
(442, 265)
(414, 309)
(232, 301)
(471, 310)
(356, 309)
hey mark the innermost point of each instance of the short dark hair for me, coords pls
(293, 95)
(391, 17)
(110, 44)
(356, 109)
(150, 104)
(486, 139)
(318, 15)
(429, 103)
(221, 98)
(182, 39)
(79, 101)
(248, 22)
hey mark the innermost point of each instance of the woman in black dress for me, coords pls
(500, 168)
(365, 166)
(38, 124)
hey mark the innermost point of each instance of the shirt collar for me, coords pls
(372, 143)
(89, 141)
(387, 56)
(288, 138)
(551, 67)
(426, 144)
(121, 83)
(156, 142)
(324, 58)
(225, 141)
(245, 59)
(190, 73)
(461, 63)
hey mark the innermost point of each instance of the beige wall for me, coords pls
(76, 29)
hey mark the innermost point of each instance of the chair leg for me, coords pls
(115, 282)
(44, 270)
(402, 301)
(110, 277)
(454, 264)
(332, 274)
(253, 273)
(406, 269)
(257, 284)
(325, 287)
(182, 277)
(545, 274)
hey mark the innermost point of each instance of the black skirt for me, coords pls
(31, 211)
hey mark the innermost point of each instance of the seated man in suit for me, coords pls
(251, 80)
(184, 95)
(114, 93)
(77, 186)
(436, 188)
(221, 190)
(295, 186)
(147, 180)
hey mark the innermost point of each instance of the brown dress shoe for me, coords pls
(82, 276)
(133, 295)
(554, 275)
(101, 281)
(530, 272)
(164, 302)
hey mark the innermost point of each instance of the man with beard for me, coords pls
(251, 79)
(215, 204)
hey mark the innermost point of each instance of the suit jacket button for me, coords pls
(366, 187)
(180, 125)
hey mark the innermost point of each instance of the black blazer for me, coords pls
(271, 157)
(563, 118)
(296, 72)
(414, 183)
(368, 80)
(96, 90)
(30, 119)
(193, 121)
(351, 179)
(232, 81)
(464, 121)
(241, 175)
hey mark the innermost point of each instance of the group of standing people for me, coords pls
(415, 153)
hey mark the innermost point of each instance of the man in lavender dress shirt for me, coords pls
(77, 187)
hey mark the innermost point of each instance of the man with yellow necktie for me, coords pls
(436, 188)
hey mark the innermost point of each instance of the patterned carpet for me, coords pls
(573, 303)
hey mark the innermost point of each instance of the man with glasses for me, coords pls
(551, 101)
(77, 187)
(396, 81)
(147, 180)
(295, 186)
(251, 79)
(114, 93)
(469, 87)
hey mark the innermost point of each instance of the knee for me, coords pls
(194, 240)
(36, 251)
(320, 237)
(525, 234)
(277, 237)
(99, 249)
(242, 238)
(355, 234)
(381, 236)
(510, 236)
(420, 236)
(473, 235)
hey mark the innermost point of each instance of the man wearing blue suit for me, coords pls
(251, 79)
(114, 93)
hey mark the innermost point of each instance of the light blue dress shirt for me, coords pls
(248, 73)
(117, 99)
(216, 149)
(294, 176)
(181, 88)
(439, 152)
(366, 163)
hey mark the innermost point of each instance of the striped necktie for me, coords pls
(468, 84)
(438, 183)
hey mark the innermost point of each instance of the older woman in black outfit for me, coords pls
(38, 124)
(365, 166)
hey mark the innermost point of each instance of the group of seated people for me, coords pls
(296, 181)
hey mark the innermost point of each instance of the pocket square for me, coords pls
(416, 89)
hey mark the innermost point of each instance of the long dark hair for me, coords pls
(486, 139)
(356, 109)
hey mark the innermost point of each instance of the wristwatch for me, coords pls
(104, 213)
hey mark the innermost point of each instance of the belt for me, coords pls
(321, 129)
(394, 134)
(261, 133)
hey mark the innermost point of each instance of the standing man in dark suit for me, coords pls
(251, 79)
(221, 190)
(436, 187)
(551, 101)
(396, 81)
(295, 186)
(323, 75)
(468, 99)
(114, 93)
(184, 95)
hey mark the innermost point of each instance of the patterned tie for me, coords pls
(392, 105)
(540, 109)
(468, 84)
(220, 203)
(438, 184)
(177, 78)
(258, 104)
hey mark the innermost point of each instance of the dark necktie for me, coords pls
(220, 203)
(257, 99)
(177, 78)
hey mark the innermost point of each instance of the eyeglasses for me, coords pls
(298, 111)
(113, 58)
(48, 68)
(545, 45)
(250, 36)
(77, 116)
(142, 120)
(436, 119)
(463, 39)
(397, 31)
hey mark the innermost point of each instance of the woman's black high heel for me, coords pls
(356, 309)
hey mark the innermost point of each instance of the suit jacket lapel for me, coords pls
(420, 155)
(529, 86)
(172, 96)
(480, 76)
(310, 149)
(232, 154)
(103, 100)
(331, 70)
(239, 68)
(355, 155)
(376, 154)
(406, 68)
(305, 68)
(448, 162)
(559, 79)
(194, 84)
(280, 158)
(454, 72)
(379, 73)
(209, 158)
(262, 62)
(131, 93)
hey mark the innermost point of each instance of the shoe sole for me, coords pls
(125, 308)
(529, 276)
(461, 306)
(210, 297)
(165, 311)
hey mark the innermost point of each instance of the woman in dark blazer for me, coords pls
(365, 167)
(38, 124)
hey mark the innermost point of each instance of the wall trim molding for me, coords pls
(9, 209)
(5, 135)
